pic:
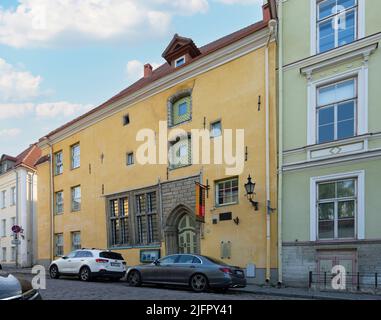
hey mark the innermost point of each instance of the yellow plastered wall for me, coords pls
(229, 93)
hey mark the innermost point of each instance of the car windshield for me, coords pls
(216, 261)
(111, 255)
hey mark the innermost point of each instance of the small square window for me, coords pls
(130, 159)
(216, 129)
(179, 62)
(126, 120)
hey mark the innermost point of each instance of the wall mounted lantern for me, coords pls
(250, 187)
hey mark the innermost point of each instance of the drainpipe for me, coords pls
(51, 202)
(280, 143)
(271, 25)
(32, 224)
(17, 216)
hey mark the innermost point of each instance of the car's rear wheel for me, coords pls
(134, 279)
(54, 274)
(199, 283)
(85, 274)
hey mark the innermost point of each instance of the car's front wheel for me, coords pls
(199, 283)
(85, 274)
(134, 279)
(54, 274)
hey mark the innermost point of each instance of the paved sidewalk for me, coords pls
(307, 293)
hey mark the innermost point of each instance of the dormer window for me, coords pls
(180, 51)
(179, 62)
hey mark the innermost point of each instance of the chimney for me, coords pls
(266, 11)
(147, 70)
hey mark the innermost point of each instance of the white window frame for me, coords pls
(13, 197)
(3, 199)
(361, 74)
(73, 164)
(59, 244)
(360, 221)
(178, 59)
(58, 165)
(314, 17)
(72, 199)
(74, 244)
(3, 228)
(59, 203)
(217, 188)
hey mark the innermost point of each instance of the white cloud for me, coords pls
(10, 132)
(135, 70)
(240, 1)
(41, 22)
(16, 84)
(15, 110)
(42, 110)
(57, 109)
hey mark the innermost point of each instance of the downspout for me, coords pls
(17, 216)
(280, 143)
(51, 202)
(33, 216)
(268, 197)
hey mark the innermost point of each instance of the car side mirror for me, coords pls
(65, 257)
(156, 262)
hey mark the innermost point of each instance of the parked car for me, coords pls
(195, 271)
(12, 288)
(88, 264)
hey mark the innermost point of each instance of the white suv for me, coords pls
(89, 264)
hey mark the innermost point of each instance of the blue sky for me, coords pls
(60, 58)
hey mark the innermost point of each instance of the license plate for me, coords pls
(114, 264)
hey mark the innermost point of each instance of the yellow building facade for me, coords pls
(95, 192)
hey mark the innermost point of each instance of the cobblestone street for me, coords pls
(73, 289)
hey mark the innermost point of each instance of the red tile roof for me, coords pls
(26, 158)
(167, 69)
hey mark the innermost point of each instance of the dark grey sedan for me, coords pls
(198, 272)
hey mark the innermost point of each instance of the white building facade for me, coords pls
(18, 197)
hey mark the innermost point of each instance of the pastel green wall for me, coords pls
(296, 192)
(297, 27)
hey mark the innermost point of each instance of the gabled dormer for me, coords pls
(6, 163)
(180, 51)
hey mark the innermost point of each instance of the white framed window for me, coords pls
(76, 198)
(3, 228)
(227, 192)
(335, 23)
(13, 254)
(338, 107)
(4, 254)
(75, 156)
(59, 202)
(3, 199)
(336, 111)
(13, 223)
(215, 129)
(75, 240)
(337, 208)
(58, 163)
(59, 245)
(13, 196)
(180, 61)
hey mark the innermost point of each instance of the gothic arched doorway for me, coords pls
(187, 235)
(182, 232)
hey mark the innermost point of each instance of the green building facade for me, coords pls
(330, 139)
